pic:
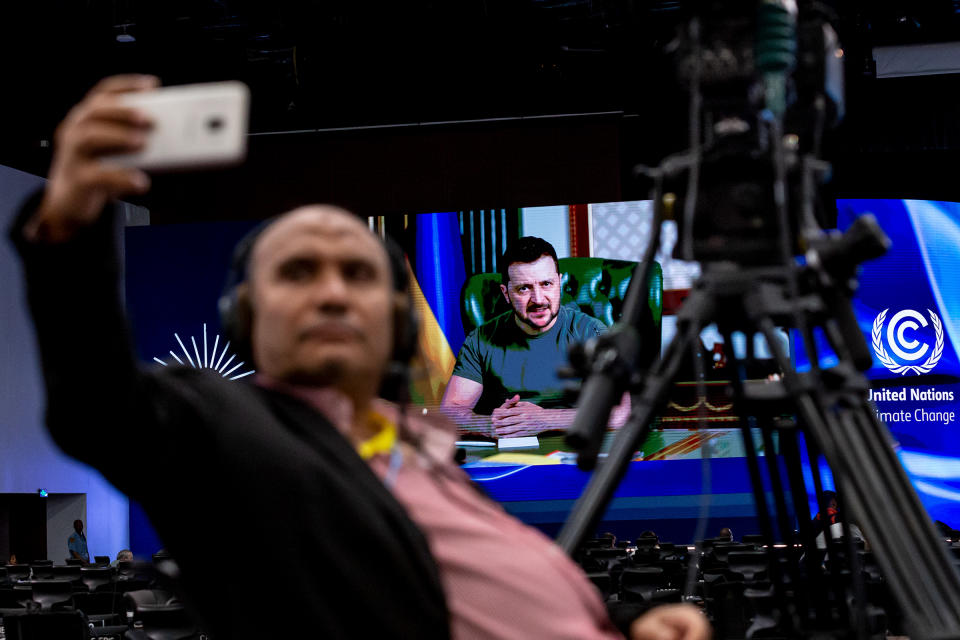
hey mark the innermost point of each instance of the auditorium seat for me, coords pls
(132, 576)
(604, 559)
(766, 617)
(45, 625)
(668, 551)
(869, 566)
(596, 543)
(722, 549)
(49, 594)
(731, 615)
(42, 570)
(10, 598)
(95, 577)
(603, 582)
(96, 603)
(17, 572)
(66, 572)
(638, 584)
(125, 569)
(674, 572)
(159, 615)
(748, 565)
(607, 553)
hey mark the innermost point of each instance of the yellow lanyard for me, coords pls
(382, 442)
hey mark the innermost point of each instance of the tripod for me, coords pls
(837, 420)
(756, 191)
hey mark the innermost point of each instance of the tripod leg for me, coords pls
(645, 406)
(776, 482)
(790, 449)
(879, 495)
(858, 613)
(812, 553)
(742, 408)
(916, 524)
(756, 480)
(749, 446)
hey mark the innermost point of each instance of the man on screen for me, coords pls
(507, 368)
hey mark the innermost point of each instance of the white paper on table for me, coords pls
(527, 442)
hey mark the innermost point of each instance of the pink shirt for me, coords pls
(502, 579)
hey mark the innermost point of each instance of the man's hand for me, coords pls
(671, 622)
(516, 418)
(80, 183)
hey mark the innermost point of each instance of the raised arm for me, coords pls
(67, 241)
(81, 184)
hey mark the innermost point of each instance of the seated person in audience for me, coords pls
(124, 555)
(648, 535)
(507, 368)
(13, 559)
(726, 535)
(377, 532)
(820, 522)
(834, 521)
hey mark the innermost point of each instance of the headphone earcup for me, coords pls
(236, 319)
(226, 306)
(406, 330)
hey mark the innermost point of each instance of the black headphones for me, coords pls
(236, 315)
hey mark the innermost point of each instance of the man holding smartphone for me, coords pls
(375, 531)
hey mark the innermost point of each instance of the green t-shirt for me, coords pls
(507, 361)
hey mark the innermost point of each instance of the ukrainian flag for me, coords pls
(435, 288)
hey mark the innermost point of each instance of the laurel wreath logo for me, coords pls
(895, 366)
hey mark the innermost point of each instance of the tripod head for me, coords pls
(764, 81)
(747, 68)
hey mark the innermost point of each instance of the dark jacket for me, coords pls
(277, 524)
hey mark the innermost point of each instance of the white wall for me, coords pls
(28, 458)
(550, 223)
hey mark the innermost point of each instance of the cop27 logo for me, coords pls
(209, 360)
(904, 346)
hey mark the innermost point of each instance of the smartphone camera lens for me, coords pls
(215, 123)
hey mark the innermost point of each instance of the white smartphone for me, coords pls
(194, 126)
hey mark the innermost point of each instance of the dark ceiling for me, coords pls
(321, 66)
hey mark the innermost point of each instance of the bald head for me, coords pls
(321, 293)
(326, 219)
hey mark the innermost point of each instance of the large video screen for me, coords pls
(907, 305)
(175, 274)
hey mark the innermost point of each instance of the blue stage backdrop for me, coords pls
(174, 277)
(908, 306)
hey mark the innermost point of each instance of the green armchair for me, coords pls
(596, 286)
